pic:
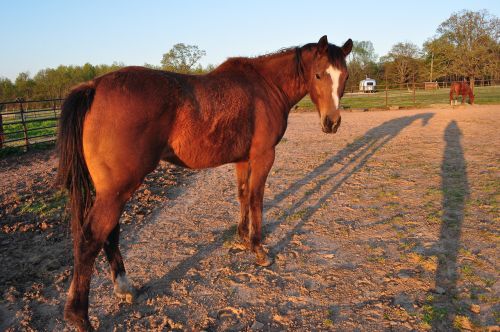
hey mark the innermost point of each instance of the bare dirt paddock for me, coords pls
(392, 224)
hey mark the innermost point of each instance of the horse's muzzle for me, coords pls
(328, 126)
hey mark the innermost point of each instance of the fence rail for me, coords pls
(353, 87)
(24, 123)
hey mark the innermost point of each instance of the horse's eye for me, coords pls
(318, 76)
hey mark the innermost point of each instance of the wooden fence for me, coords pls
(24, 123)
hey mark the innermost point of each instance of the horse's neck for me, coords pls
(285, 77)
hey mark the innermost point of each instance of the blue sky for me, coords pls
(40, 34)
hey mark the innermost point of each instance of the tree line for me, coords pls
(466, 46)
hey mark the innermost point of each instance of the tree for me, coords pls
(182, 58)
(24, 85)
(403, 62)
(7, 89)
(362, 62)
(467, 44)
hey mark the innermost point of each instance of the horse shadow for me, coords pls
(455, 189)
(363, 150)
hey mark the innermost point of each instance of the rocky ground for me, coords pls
(391, 224)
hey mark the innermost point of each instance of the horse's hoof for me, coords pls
(262, 258)
(123, 289)
(81, 324)
(264, 261)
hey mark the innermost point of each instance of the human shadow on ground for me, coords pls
(363, 150)
(455, 189)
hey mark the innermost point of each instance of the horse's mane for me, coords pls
(231, 62)
(250, 61)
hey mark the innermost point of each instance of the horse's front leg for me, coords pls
(260, 167)
(242, 176)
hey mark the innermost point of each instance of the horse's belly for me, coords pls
(203, 153)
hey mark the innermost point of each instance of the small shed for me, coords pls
(368, 85)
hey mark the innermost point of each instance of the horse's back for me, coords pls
(193, 120)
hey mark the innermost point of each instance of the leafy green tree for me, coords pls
(362, 62)
(467, 45)
(25, 85)
(403, 63)
(182, 58)
(7, 89)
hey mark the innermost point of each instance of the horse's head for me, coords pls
(327, 79)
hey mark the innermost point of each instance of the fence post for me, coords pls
(23, 121)
(414, 90)
(1, 127)
(54, 109)
(386, 91)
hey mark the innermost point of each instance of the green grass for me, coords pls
(41, 136)
(48, 206)
(404, 98)
(433, 313)
(15, 131)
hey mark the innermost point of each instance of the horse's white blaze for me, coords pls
(335, 76)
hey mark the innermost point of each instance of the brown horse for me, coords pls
(460, 88)
(115, 129)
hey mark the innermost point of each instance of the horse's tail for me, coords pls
(73, 173)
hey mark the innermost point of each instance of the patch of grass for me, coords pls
(467, 270)
(229, 236)
(407, 245)
(309, 192)
(489, 299)
(48, 206)
(433, 313)
(489, 282)
(299, 215)
(376, 259)
(386, 193)
(434, 217)
(433, 192)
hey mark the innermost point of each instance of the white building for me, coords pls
(368, 85)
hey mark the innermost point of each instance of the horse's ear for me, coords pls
(323, 45)
(347, 47)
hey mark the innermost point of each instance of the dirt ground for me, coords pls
(391, 224)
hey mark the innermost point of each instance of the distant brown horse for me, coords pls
(115, 129)
(460, 88)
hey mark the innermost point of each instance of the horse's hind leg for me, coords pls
(122, 286)
(88, 240)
